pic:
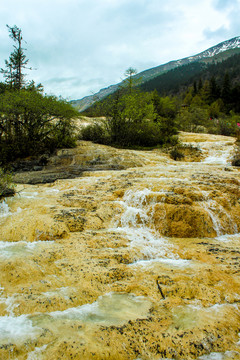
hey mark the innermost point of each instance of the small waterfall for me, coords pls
(209, 206)
(219, 153)
(12, 327)
(135, 223)
(4, 209)
(215, 210)
(9, 303)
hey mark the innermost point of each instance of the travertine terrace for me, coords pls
(137, 262)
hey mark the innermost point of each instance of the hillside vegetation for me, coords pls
(133, 118)
(198, 97)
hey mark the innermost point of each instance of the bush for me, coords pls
(32, 123)
(192, 119)
(144, 134)
(176, 154)
(6, 185)
(186, 151)
(225, 125)
(96, 133)
(134, 119)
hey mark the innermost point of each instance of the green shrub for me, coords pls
(176, 154)
(6, 185)
(96, 133)
(186, 151)
(134, 119)
(144, 134)
(31, 123)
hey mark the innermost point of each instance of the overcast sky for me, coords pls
(77, 47)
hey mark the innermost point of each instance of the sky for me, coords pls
(77, 47)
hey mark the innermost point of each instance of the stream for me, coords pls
(140, 263)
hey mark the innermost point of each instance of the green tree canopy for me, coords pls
(30, 122)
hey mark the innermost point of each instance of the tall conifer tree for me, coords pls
(17, 61)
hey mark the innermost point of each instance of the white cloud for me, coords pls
(80, 46)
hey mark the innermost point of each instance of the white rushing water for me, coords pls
(219, 153)
(17, 328)
(9, 302)
(134, 224)
(20, 248)
(109, 309)
(118, 308)
(228, 355)
(4, 209)
(37, 353)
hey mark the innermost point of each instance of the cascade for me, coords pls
(4, 209)
(91, 292)
(137, 223)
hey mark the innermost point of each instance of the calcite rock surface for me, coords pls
(82, 259)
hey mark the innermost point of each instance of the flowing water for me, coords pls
(141, 263)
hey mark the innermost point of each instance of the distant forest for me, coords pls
(203, 96)
(220, 74)
(224, 77)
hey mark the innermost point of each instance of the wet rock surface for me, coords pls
(81, 258)
(72, 163)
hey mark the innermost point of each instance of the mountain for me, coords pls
(177, 80)
(216, 53)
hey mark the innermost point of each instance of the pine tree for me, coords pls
(214, 89)
(129, 82)
(226, 89)
(17, 61)
(200, 84)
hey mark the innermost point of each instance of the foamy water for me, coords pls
(37, 353)
(193, 315)
(229, 238)
(4, 209)
(228, 355)
(20, 248)
(109, 309)
(64, 292)
(17, 328)
(151, 252)
(218, 154)
(134, 224)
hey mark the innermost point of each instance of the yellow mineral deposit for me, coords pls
(137, 262)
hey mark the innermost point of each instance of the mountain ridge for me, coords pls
(209, 55)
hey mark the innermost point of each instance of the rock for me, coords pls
(73, 218)
(71, 163)
(119, 232)
(183, 221)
